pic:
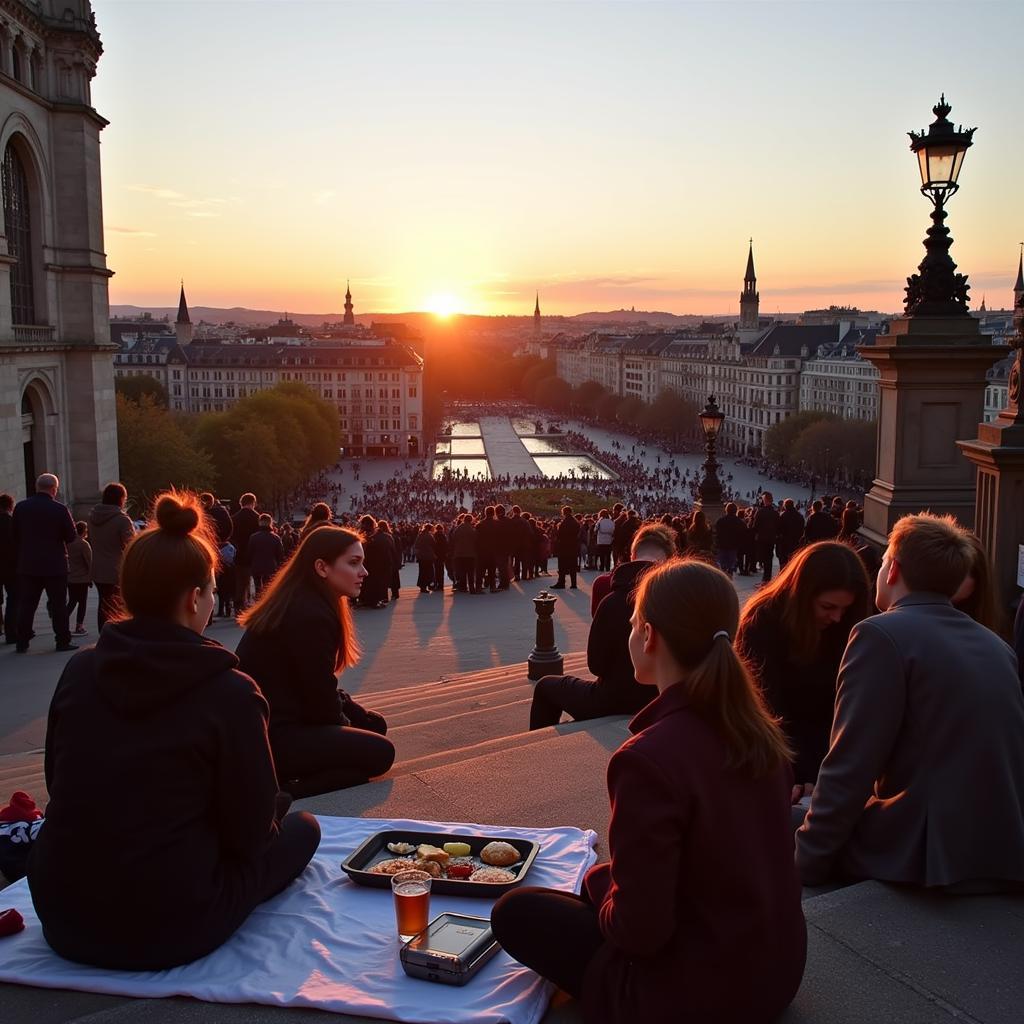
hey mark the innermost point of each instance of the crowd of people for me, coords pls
(859, 718)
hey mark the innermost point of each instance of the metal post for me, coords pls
(545, 659)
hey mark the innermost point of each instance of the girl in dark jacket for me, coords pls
(793, 634)
(164, 716)
(696, 916)
(298, 636)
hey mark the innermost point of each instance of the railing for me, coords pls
(31, 334)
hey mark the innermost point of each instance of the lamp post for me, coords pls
(710, 501)
(937, 289)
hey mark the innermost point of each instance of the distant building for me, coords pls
(836, 379)
(57, 410)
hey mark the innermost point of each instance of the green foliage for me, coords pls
(541, 369)
(553, 393)
(629, 410)
(780, 438)
(155, 452)
(548, 501)
(134, 388)
(669, 413)
(837, 449)
(607, 406)
(588, 396)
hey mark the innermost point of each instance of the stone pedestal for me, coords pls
(998, 454)
(931, 392)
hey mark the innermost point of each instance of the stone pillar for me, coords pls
(931, 392)
(544, 659)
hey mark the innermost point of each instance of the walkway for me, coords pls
(505, 450)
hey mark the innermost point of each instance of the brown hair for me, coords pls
(319, 515)
(327, 544)
(656, 535)
(173, 555)
(688, 603)
(982, 604)
(933, 552)
(827, 565)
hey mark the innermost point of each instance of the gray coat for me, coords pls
(924, 779)
(110, 529)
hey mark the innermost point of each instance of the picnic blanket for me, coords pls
(328, 943)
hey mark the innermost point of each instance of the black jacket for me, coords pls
(567, 538)
(162, 793)
(222, 523)
(729, 531)
(244, 523)
(791, 527)
(820, 526)
(294, 663)
(766, 524)
(6, 546)
(802, 695)
(266, 552)
(608, 644)
(43, 528)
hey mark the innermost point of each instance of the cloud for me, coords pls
(138, 233)
(157, 191)
(183, 202)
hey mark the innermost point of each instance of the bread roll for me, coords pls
(500, 854)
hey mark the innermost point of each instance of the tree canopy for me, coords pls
(133, 388)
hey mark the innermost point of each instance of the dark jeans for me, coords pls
(566, 566)
(78, 594)
(313, 759)
(465, 575)
(581, 698)
(553, 933)
(259, 584)
(109, 600)
(30, 589)
(604, 557)
(425, 576)
(765, 551)
(243, 573)
(9, 614)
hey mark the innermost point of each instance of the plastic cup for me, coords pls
(412, 902)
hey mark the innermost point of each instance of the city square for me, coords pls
(638, 600)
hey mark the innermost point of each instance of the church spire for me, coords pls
(536, 315)
(1018, 288)
(749, 297)
(349, 316)
(183, 317)
(183, 325)
(750, 276)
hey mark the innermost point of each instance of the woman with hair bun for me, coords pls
(165, 827)
(696, 916)
(298, 636)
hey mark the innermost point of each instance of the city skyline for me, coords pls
(460, 157)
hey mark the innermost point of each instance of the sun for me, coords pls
(442, 305)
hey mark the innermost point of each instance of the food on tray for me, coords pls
(457, 849)
(499, 854)
(430, 866)
(391, 867)
(492, 875)
(459, 871)
(428, 852)
(401, 848)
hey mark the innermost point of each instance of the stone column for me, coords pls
(998, 454)
(932, 391)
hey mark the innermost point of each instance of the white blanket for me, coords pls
(326, 942)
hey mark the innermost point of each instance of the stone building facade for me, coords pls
(57, 409)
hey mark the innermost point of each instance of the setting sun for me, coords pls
(442, 305)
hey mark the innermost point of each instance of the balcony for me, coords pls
(32, 334)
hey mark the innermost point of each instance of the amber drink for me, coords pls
(412, 902)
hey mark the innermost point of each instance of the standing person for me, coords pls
(699, 539)
(164, 714)
(820, 525)
(244, 524)
(604, 531)
(110, 531)
(464, 554)
(395, 583)
(729, 530)
(226, 580)
(922, 782)
(266, 553)
(8, 569)
(766, 532)
(374, 591)
(219, 518)
(793, 633)
(298, 636)
(319, 515)
(440, 556)
(791, 531)
(43, 528)
(79, 574)
(658, 933)
(567, 537)
(503, 545)
(486, 550)
(425, 555)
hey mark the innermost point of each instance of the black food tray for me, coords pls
(375, 849)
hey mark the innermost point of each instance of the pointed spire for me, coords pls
(183, 317)
(1018, 288)
(749, 275)
(348, 289)
(536, 308)
(349, 318)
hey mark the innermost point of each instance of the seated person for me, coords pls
(696, 916)
(793, 633)
(616, 691)
(298, 636)
(922, 783)
(164, 825)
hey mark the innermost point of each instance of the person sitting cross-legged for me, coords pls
(696, 915)
(923, 779)
(615, 691)
(159, 720)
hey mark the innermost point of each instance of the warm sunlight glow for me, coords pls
(442, 305)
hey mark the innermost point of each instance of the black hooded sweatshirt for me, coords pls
(162, 793)
(608, 645)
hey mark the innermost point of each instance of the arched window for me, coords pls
(19, 237)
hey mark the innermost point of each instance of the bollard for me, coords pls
(544, 659)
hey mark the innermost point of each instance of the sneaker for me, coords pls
(61, 648)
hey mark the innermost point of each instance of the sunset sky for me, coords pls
(609, 155)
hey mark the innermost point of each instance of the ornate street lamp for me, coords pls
(711, 419)
(937, 289)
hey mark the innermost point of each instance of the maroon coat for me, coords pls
(700, 903)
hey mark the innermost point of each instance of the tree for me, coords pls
(588, 395)
(838, 449)
(629, 410)
(780, 438)
(156, 453)
(541, 370)
(670, 413)
(553, 393)
(607, 407)
(133, 388)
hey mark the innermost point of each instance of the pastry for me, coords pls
(492, 875)
(391, 867)
(430, 866)
(499, 854)
(427, 852)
